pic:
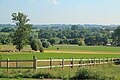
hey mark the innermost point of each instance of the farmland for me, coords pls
(67, 52)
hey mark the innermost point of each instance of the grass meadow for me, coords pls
(112, 71)
(63, 52)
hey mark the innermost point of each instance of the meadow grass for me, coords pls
(71, 48)
(68, 72)
(4, 33)
(85, 48)
(29, 56)
(46, 55)
(110, 71)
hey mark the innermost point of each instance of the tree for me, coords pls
(45, 44)
(20, 37)
(7, 29)
(5, 39)
(74, 27)
(55, 40)
(81, 43)
(35, 44)
(116, 37)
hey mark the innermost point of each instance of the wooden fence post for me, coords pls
(72, 63)
(34, 62)
(16, 63)
(80, 62)
(108, 60)
(62, 63)
(99, 60)
(0, 63)
(111, 61)
(94, 62)
(90, 61)
(103, 60)
(50, 63)
(87, 61)
(7, 64)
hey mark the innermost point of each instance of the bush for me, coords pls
(41, 49)
(45, 44)
(86, 73)
(42, 75)
(35, 44)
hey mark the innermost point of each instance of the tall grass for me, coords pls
(103, 72)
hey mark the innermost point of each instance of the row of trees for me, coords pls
(23, 35)
(76, 35)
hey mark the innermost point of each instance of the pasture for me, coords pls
(67, 52)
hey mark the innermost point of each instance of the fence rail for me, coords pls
(51, 63)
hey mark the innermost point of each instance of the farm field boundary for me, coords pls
(51, 63)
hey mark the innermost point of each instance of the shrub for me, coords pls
(86, 73)
(45, 44)
(41, 49)
(35, 44)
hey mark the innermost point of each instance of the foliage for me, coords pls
(100, 72)
(41, 49)
(7, 29)
(45, 44)
(35, 44)
(5, 39)
(69, 35)
(87, 73)
(20, 38)
(53, 41)
(116, 37)
(82, 42)
(74, 27)
(25, 74)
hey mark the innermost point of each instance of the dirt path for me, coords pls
(81, 52)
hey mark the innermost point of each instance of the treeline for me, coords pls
(77, 35)
(38, 37)
(70, 35)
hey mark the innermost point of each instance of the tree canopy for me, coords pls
(116, 37)
(20, 37)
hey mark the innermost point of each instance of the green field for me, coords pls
(85, 48)
(72, 48)
(111, 71)
(108, 52)
(27, 56)
(103, 70)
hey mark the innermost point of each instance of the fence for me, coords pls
(51, 63)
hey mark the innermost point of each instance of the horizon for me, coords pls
(100, 12)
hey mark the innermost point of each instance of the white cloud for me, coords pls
(55, 2)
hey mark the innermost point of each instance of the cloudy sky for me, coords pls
(63, 11)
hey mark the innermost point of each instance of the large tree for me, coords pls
(116, 37)
(23, 30)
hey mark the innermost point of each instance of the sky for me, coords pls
(62, 11)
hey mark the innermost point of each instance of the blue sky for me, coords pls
(63, 11)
